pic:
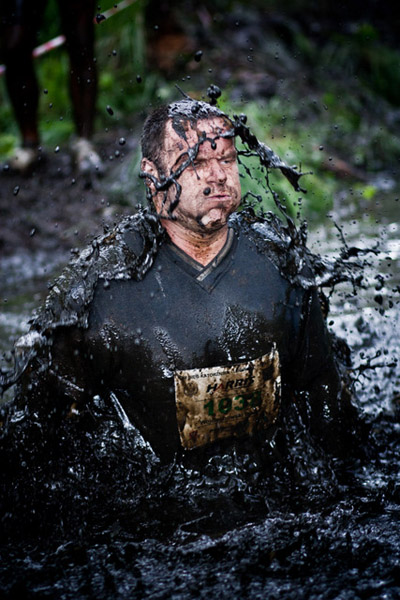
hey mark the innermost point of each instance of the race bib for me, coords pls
(219, 402)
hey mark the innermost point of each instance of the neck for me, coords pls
(202, 247)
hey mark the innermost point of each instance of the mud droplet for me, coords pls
(321, 147)
(206, 191)
(32, 232)
(122, 141)
(57, 149)
(138, 79)
(45, 91)
(100, 18)
(109, 110)
(16, 190)
(213, 92)
(198, 55)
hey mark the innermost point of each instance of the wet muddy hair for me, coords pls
(181, 112)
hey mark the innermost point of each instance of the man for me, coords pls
(200, 325)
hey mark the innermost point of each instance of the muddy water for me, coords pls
(101, 518)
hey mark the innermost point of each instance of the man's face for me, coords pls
(210, 186)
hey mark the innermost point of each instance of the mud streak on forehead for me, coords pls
(218, 127)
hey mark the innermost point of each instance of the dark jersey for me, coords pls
(186, 316)
(182, 317)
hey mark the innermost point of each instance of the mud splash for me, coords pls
(98, 516)
(109, 257)
(93, 513)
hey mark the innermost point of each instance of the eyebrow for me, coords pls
(231, 153)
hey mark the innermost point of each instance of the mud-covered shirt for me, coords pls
(183, 317)
(196, 353)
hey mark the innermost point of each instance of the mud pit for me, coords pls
(96, 526)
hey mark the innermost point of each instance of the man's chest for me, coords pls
(194, 351)
(177, 318)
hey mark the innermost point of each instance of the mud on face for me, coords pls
(183, 121)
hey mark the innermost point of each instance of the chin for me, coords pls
(214, 219)
(212, 224)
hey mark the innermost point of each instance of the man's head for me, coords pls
(188, 148)
(181, 113)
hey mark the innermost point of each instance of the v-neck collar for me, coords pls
(201, 272)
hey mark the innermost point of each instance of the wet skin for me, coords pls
(210, 188)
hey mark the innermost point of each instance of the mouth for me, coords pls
(215, 210)
(218, 197)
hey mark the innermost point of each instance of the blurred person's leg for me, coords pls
(19, 22)
(78, 28)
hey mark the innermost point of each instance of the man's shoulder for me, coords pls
(126, 251)
(265, 229)
(280, 242)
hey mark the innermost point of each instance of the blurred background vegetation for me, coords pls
(320, 84)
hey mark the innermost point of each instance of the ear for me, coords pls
(147, 166)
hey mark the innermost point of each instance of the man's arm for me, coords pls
(59, 376)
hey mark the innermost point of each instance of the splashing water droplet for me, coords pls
(213, 92)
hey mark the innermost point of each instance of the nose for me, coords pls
(216, 172)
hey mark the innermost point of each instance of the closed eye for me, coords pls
(231, 158)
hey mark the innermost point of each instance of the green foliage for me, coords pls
(323, 134)
(359, 54)
(369, 192)
(7, 144)
(56, 125)
(292, 140)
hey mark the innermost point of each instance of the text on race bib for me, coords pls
(219, 402)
